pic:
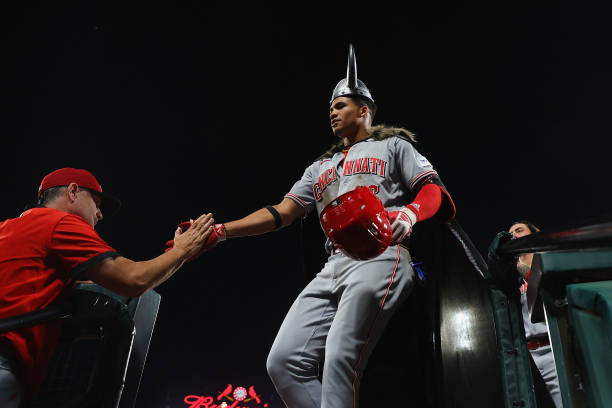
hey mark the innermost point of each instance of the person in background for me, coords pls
(536, 334)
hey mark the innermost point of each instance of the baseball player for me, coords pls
(333, 325)
(536, 333)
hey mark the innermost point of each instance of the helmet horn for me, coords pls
(351, 68)
(351, 85)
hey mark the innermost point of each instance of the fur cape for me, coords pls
(378, 132)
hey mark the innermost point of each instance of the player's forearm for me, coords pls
(256, 223)
(265, 220)
(427, 202)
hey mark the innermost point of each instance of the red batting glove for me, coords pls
(217, 235)
(401, 224)
(184, 227)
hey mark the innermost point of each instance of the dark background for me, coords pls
(185, 108)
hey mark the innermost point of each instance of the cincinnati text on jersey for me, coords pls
(362, 165)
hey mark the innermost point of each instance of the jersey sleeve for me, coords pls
(413, 166)
(78, 246)
(302, 192)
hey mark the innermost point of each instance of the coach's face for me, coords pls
(346, 116)
(85, 204)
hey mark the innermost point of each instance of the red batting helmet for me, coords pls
(357, 223)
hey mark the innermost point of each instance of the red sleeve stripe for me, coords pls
(297, 199)
(419, 177)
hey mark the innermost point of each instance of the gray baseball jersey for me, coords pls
(390, 167)
(335, 322)
(531, 329)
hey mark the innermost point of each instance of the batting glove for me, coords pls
(217, 235)
(401, 224)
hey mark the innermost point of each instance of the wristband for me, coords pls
(278, 221)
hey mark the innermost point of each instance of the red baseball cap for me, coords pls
(62, 177)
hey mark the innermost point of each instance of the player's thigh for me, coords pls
(304, 330)
(376, 285)
(374, 289)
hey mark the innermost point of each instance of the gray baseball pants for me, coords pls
(334, 325)
(544, 360)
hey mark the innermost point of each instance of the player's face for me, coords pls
(87, 206)
(346, 116)
(519, 230)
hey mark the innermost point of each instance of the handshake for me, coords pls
(217, 235)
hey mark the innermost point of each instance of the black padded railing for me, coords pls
(584, 237)
(53, 312)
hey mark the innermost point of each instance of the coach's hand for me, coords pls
(401, 224)
(191, 237)
(217, 235)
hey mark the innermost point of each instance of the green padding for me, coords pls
(514, 357)
(573, 261)
(590, 312)
(593, 296)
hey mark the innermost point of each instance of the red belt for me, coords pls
(535, 344)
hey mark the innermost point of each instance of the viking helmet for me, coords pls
(351, 86)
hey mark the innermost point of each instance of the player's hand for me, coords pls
(217, 235)
(182, 227)
(190, 237)
(401, 224)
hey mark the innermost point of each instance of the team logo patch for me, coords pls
(423, 161)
